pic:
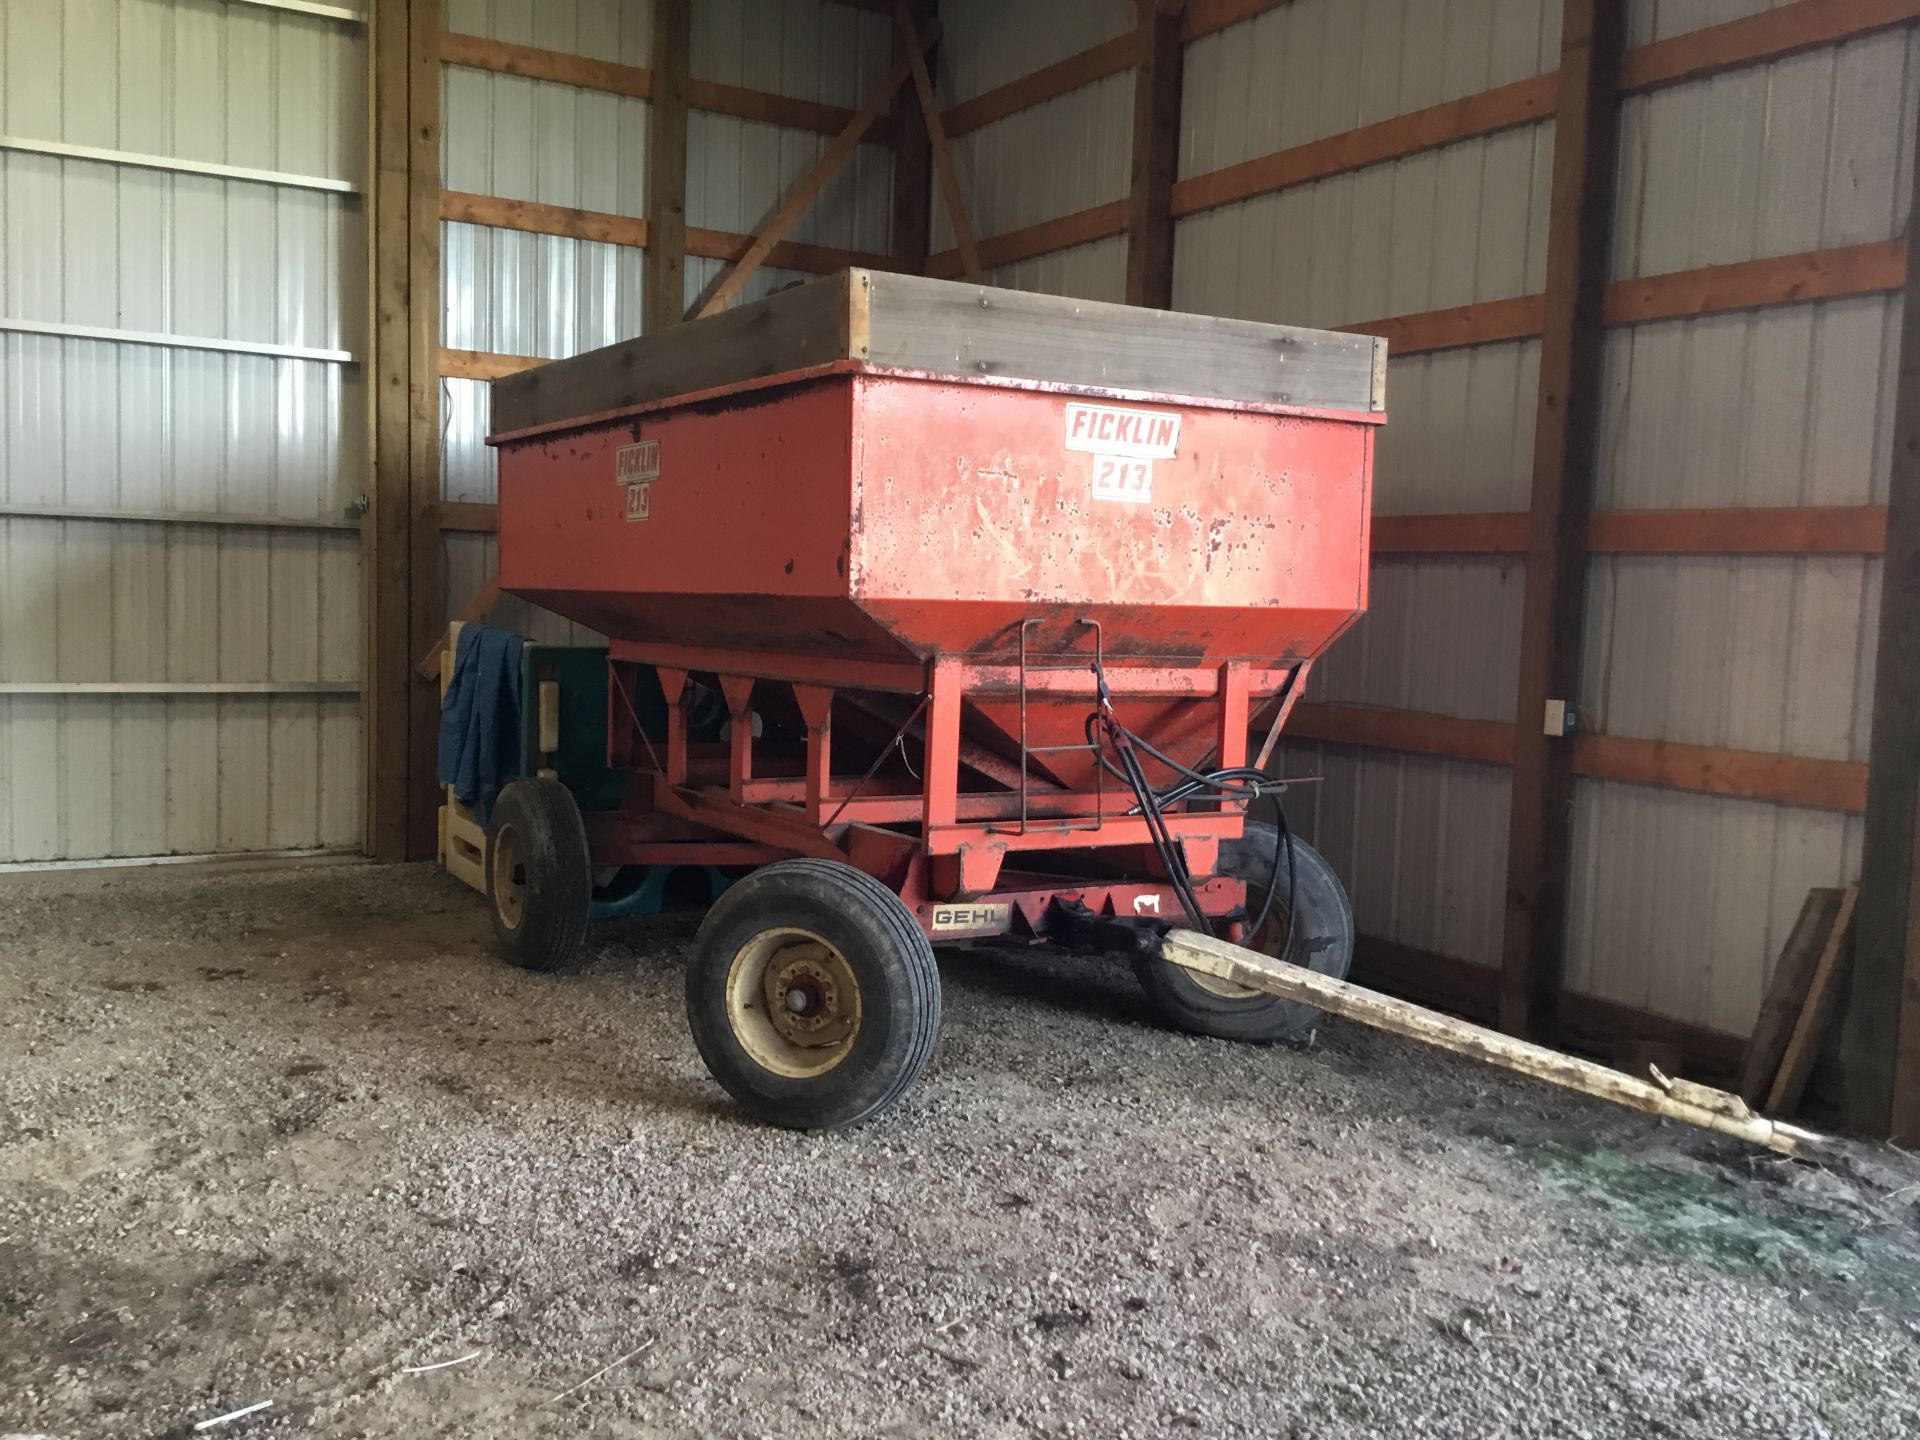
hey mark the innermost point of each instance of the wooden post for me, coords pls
(389, 640)
(666, 259)
(912, 158)
(1156, 155)
(956, 198)
(426, 578)
(1579, 232)
(1880, 1042)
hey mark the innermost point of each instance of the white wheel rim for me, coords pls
(509, 877)
(793, 1003)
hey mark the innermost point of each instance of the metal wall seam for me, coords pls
(178, 342)
(140, 160)
(309, 7)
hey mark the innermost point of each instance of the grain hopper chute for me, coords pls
(989, 589)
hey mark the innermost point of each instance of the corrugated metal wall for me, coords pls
(519, 139)
(1681, 901)
(1070, 153)
(151, 429)
(1420, 842)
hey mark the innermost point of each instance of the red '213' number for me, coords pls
(1118, 478)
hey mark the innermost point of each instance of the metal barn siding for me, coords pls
(1681, 902)
(1420, 842)
(509, 292)
(172, 685)
(1069, 153)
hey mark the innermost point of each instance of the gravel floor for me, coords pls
(278, 1135)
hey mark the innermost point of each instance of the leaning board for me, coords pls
(908, 322)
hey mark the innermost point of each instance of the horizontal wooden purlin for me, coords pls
(1047, 83)
(1379, 727)
(1771, 35)
(1498, 533)
(1751, 284)
(471, 517)
(787, 255)
(1702, 769)
(1711, 770)
(539, 219)
(483, 365)
(1484, 323)
(1204, 17)
(1603, 1027)
(1763, 530)
(474, 52)
(1080, 228)
(529, 62)
(1487, 113)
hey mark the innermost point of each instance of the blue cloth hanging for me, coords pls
(480, 718)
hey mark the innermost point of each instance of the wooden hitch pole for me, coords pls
(1675, 1099)
(796, 200)
(937, 139)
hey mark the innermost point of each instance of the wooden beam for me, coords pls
(529, 62)
(1486, 742)
(1524, 102)
(912, 161)
(1080, 228)
(802, 194)
(1754, 284)
(389, 682)
(957, 210)
(473, 52)
(1798, 780)
(1716, 770)
(482, 365)
(1204, 17)
(1679, 1100)
(1765, 530)
(1156, 155)
(1770, 35)
(534, 218)
(1786, 994)
(1823, 996)
(1880, 1046)
(1566, 433)
(666, 267)
(427, 566)
(1484, 323)
(1047, 83)
(469, 517)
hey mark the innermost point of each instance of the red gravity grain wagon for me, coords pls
(997, 590)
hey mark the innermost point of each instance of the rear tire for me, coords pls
(539, 876)
(813, 995)
(1322, 941)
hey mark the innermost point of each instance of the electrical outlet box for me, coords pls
(1562, 718)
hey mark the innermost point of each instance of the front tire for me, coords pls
(1322, 941)
(539, 876)
(813, 995)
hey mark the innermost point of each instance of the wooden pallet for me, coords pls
(463, 839)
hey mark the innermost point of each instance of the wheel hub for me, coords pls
(509, 877)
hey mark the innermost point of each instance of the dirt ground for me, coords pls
(282, 1135)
